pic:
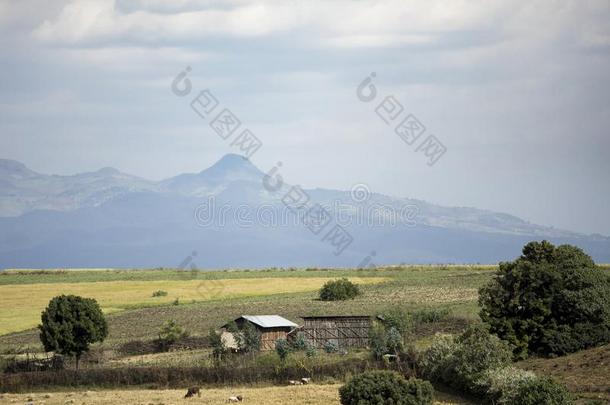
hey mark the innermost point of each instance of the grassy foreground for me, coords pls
(309, 394)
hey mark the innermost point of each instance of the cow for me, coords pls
(236, 398)
(192, 391)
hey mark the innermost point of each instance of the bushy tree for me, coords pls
(249, 339)
(550, 301)
(300, 342)
(385, 341)
(282, 348)
(70, 324)
(331, 347)
(218, 347)
(543, 391)
(339, 290)
(170, 333)
(463, 361)
(382, 387)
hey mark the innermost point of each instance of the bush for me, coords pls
(218, 347)
(311, 351)
(248, 339)
(437, 357)
(550, 301)
(502, 385)
(385, 388)
(70, 324)
(300, 342)
(430, 315)
(331, 347)
(339, 290)
(397, 318)
(159, 293)
(543, 391)
(169, 333)
(282, 348)
(462, 363)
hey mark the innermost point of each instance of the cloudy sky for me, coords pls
(517, 91)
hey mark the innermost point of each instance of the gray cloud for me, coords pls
(517, 91)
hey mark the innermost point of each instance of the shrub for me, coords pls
(543, 391)
(70, 324)
(382, 387)
(248, 339)
(550, 301)
(331, 347)
(159, 293)
(462, 363)
(397, 318)
(430, 315)
(311, 350)
(282, 348)
(218, 346)
(300, 342)
(339, 290)
(502, 385)
(169, 333)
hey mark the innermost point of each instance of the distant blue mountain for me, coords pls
(111, 219)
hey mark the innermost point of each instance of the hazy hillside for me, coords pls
(111, 219)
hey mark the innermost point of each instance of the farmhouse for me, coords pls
(344, 331)
(271, 328)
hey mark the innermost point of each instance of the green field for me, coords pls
(19, 313)
(209, 299)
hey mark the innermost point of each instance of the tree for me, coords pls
(282, 348)
(550, 301)
(339, 290)
(248, 338)
(170, 333)
(218, 347)
(70, 324)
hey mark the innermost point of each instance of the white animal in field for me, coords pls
(305, 380)
(294, 382)
(236, 398)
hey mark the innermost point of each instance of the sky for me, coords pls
(517, 92)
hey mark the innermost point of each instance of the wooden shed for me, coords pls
(271, 328)
(344, 331)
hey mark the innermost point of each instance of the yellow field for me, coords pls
(21, 305)
(300, 395)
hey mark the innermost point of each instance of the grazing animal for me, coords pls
(192, 391)
(293, 382)
(305, 380)
(237, 398)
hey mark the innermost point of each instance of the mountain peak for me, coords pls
(231, 162)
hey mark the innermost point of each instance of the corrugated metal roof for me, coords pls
(270, 321)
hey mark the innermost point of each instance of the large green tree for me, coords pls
(70, 324)
(550, 301)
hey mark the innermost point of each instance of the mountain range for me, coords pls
(225, 216)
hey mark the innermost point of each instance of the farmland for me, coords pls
(18, 314)
(210, 299)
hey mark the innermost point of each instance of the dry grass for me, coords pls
(301, 395)
(586, 372)
(21, 305)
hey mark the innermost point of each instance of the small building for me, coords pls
(271, 328)
(344, 331)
